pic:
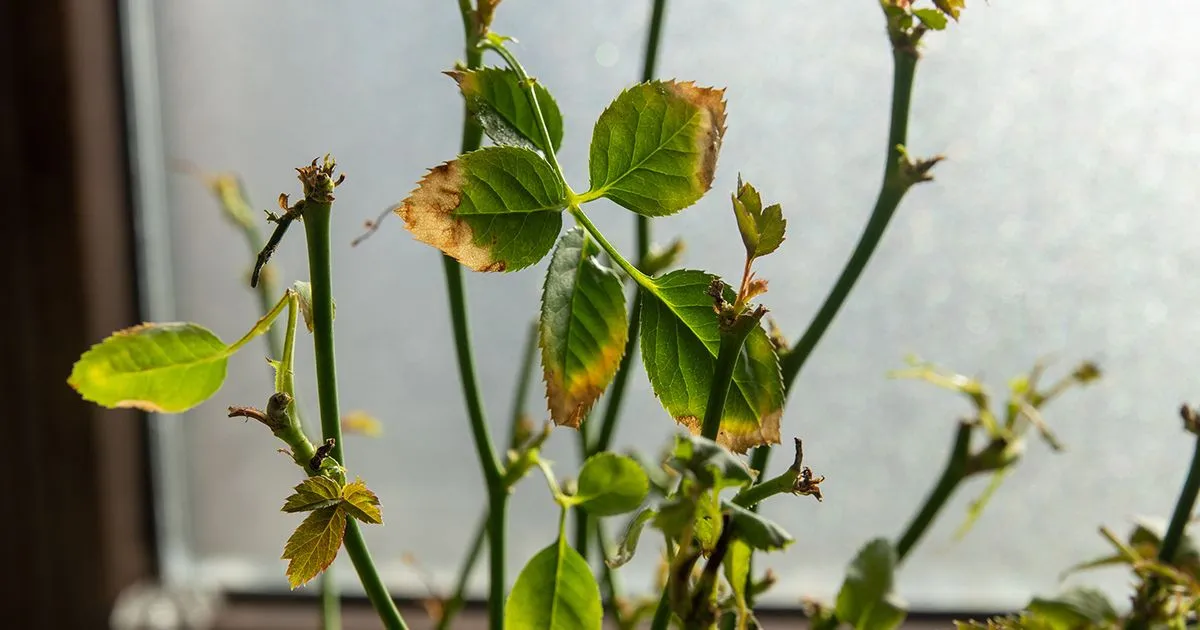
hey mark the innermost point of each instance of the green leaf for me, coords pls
(931, 18)
(680, 341)
(495, 209)
(555, 591)
(1079, 607)
(166, 368)
(866, 600)
(361, 503)
(757, 531)
(629, 542)
(314, 493)
(497, 100)
(737, 573)
(654, 149)
(582, 330)
(611, 484)
(762, 229)
(710, 463)
(950, 7)
(708, 524)
(313, 546)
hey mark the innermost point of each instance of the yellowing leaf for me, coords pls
(582, 329)
(680, 341)
(654, 149)
(361, 503)
(362, 423)
(313, 546)
(166, 368)
(314, 493)
(495, 209)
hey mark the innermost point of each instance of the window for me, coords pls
(1059, 226)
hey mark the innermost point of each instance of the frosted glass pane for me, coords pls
(1061, 225)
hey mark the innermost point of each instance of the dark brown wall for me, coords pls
(74, 514)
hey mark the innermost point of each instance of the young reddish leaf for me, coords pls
(582, 330)
(166, 368)
(654, 150)
(496, 209)
(313, 546)
(314, 493)
(361, 503)
(680, 340)
(497, 100)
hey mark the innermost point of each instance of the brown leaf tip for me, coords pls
(711, 102)
(429, 214)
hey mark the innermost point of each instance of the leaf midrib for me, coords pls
(610, 185)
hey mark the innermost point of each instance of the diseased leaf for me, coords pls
(866, 600)
(654, 149)
(495, 209)
(361, 503)
(629, 542)
(500, 104)
(712, 464)
(1079, 607)
(931, 18)
(314, 493)
(757, 531)
(166, 368)
(582, 330)
(680, 341)
(611, 484)
(555, 591)
(313, 546)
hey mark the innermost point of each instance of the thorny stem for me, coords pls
(320, 269)
(472, 135)
(890, 193)
(956, 470)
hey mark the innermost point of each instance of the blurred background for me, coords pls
(1058, 227)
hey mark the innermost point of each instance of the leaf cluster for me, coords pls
(314, 544)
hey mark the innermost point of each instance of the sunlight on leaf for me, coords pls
(611, 484)
(654, 149)
(555, 591)
(314, 493)
(680, 341)
(497, 100)
(166, 368)
(361, 503)
(313, 546)
(362, 423)
(582, 329)
(495, 209)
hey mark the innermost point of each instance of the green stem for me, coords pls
(376, 590)
(331, 604)
(757, 493)
(727, 355)
(642, 279)
(1183, 510)
(904, 65)
(456, 602)
(662, 614)
(955, 471)
(320, 270)
(527, 83)
(472, 135)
